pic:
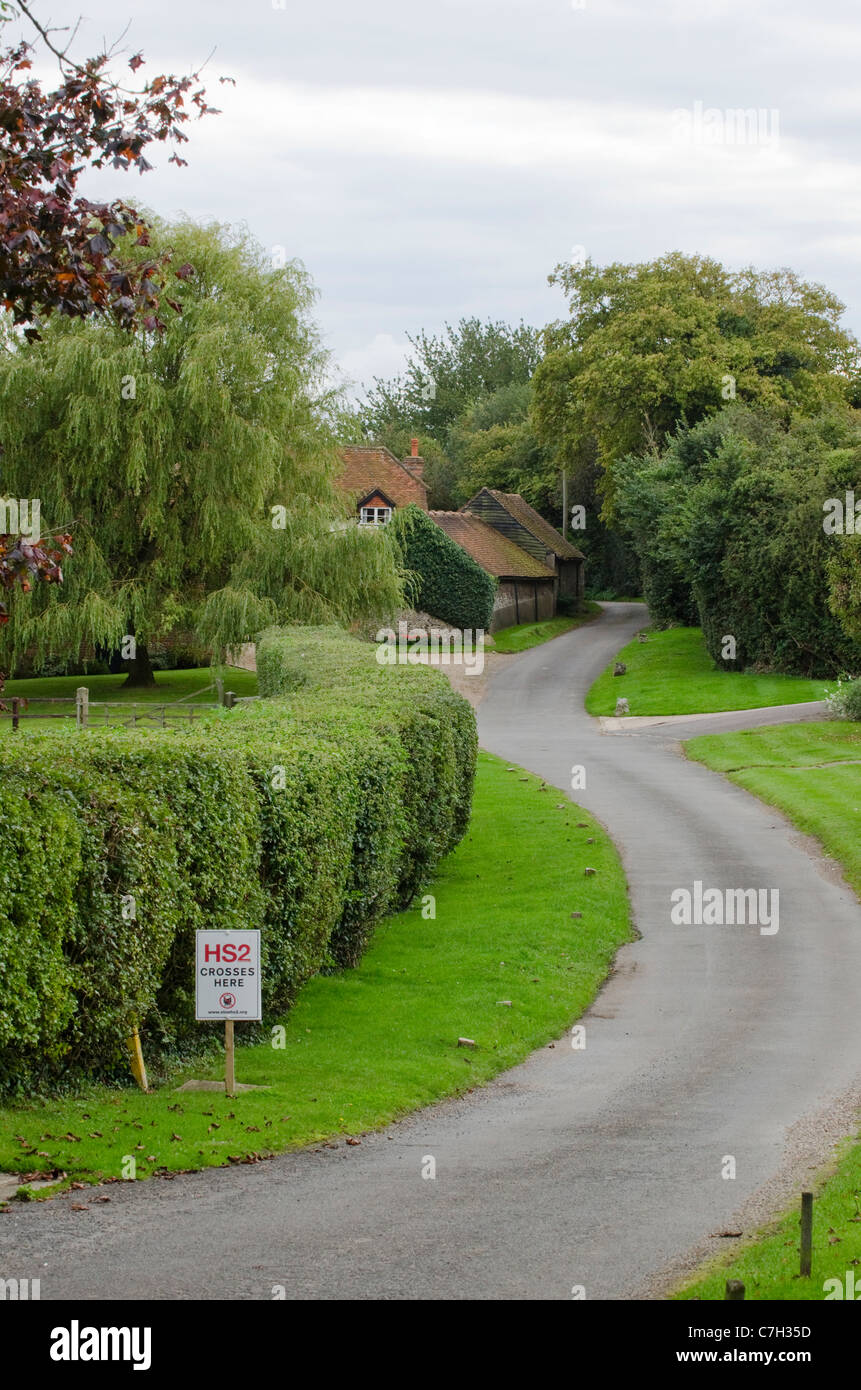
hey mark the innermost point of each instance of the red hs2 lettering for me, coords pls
(228, 952)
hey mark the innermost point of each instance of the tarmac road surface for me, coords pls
(592, 1168)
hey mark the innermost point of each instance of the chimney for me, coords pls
(415, 464)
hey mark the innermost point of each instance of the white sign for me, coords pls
(227, 974)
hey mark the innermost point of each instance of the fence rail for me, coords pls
(129, 713)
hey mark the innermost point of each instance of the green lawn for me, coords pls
(170, 686)
(525, 635)
(787, 767)
(673, 673)
(370, 1044)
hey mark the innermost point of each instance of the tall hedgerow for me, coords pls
(309, 814)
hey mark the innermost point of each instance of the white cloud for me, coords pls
(382, 356)
(431, 161)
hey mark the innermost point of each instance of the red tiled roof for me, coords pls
(515, 505)
(494, 552)
(374, 468)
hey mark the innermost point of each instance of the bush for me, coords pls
(309, 817)
(156, 837)
(845, 701)
(728, 526)
(449, 583)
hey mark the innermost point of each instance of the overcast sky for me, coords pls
(428, 159)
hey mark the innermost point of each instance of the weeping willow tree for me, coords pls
(194, 467)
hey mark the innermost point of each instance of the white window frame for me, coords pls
(375, 516)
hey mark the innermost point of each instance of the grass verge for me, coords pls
(673, 673)
(788, 767)
(811, 772)
(525, 635)
(769, 1266)
(369, 1045)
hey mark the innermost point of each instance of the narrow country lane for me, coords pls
(596, 1167)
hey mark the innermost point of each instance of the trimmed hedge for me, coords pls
(309, 814)
(450, 585)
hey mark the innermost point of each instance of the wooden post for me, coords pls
(734, 1290)
(806, 1234)
(138, 1069)
(229, 1073)
(82, 706)
(15, 707)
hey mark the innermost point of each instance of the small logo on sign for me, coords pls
(227, 1000)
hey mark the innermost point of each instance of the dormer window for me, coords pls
(375, 516)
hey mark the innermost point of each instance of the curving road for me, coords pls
(594, 1168)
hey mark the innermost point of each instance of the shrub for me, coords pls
(40, 864)
(157, 837)
(309, 817)
(728, 526)
(845, 701)
(449, 583)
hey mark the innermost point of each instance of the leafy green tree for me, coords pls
(449, 373)
(466, 396)
(728, 525)
(648, 347)
(25, 561)
(844, 583)
(493, 445)
(194, 465)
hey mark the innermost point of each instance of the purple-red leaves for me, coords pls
(58, 252)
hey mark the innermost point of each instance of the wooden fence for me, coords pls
(119, 714)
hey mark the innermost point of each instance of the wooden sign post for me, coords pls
(227, 985)
(229, 1071)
